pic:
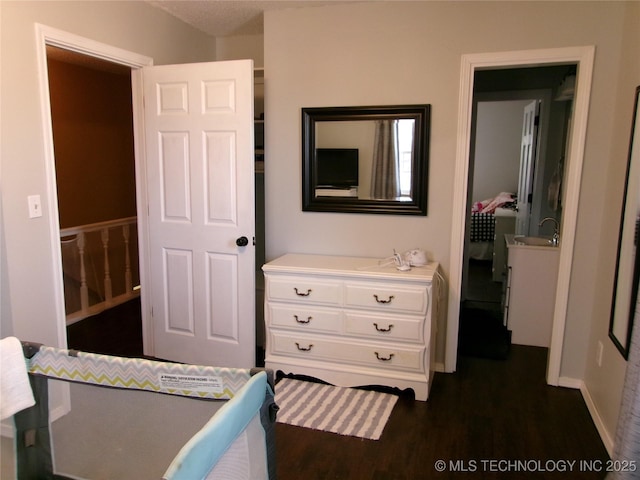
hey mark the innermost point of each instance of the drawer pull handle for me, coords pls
(302, 321)
(384, 359)
(300, 294)
(388, 329)
(303, 349)
(383, 301)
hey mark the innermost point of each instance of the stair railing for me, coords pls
(94, 258)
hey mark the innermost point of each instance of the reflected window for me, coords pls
(405, 149)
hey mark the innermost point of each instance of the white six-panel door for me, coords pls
(527, 161)
(200, 181)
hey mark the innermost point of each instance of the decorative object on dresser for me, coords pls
(352, 321)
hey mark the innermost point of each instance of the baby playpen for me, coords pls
(143, 419)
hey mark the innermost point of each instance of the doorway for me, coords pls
(221, 209)
(95, 172)
(583, 57)
(519, 127)
(91, 52)
(92, 127)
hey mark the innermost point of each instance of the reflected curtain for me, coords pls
(627, 440)
(385, 177)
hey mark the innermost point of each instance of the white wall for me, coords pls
(28, 303)
(497, 151)
(603, 382)
(240, 47)
(357, 54)
(410, 52)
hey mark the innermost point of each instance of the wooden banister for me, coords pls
(78, 263)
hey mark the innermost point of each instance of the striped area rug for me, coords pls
(345, 411)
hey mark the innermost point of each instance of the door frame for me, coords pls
(45, 36)
(584, 58)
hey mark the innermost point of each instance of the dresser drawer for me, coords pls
(306, 290)
(387, 297)
(350, 321)
(304, 318)
(390, 356)
(385, 327)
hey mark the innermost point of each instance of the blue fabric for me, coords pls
(204, 449)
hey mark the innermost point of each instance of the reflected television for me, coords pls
(337, 167)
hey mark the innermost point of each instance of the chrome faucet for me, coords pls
(556, 231)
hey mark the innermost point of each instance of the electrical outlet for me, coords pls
(599, 353)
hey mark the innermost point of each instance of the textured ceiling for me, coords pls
(222, 18)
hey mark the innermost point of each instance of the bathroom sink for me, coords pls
(534, 241)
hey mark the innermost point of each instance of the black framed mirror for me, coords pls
(366, 159)
(625, 289)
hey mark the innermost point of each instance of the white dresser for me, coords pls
(351, 322)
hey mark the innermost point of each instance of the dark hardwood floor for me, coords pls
(117, 331)
(481, 330)
(487, 411)
(482, 419)
(481, 288)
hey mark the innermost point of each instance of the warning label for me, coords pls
(196, 383)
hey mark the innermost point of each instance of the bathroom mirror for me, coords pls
(625, 290)
(365, 159)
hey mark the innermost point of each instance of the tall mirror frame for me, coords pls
(625, 290)
(415, 204)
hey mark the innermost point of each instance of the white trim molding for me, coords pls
(75, 43)
(50, 36)
(584, 58)
(577, 384)
(605, 436)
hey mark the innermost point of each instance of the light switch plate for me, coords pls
(35, 206)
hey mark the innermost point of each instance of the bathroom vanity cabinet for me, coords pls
(532, 273)
(505, 223)
(352, 321)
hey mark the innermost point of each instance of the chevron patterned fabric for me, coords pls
(139, 374)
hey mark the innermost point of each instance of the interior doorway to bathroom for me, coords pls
(510, 177)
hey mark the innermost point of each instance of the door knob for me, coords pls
(242, 241)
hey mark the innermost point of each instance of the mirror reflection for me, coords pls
(365, 159)
(625, 290)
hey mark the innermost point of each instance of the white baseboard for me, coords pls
(438, 367)
(58, 412)
(6, 428)
(577, 384)
(568, 382)
(595, 416)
